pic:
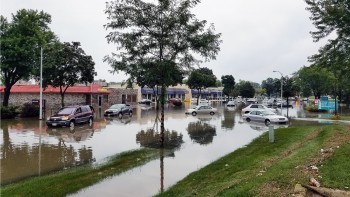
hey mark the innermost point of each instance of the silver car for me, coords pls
(201, 109)
(264, 116)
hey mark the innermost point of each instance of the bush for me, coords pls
(9, 112)
(314, 108)
(30, 110)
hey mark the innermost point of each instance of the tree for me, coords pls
(158, 39)
(66, 65)
(200, 79)
(228, 82)
(315, 78)
(270, 85)
(244, 89)
(330, 16)
(21, 40)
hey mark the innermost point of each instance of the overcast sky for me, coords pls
(258, 36)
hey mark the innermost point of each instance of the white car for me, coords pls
(252, 107)
(231, 104)
(201, 109)
(264, 116)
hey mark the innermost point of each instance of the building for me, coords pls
(92, 94)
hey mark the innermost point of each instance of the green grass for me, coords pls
(273, 169)
(70, 181)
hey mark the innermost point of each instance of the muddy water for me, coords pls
(29, 148)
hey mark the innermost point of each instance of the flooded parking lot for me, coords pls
(29, 148)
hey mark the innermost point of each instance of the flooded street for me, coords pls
(29, 148)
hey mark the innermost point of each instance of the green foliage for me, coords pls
(30, 110)
(271, 86)
(228, 82)
(9, 112)
(67, 64)
(244, 89)
(201, 78)
(315, 78)
(21, 40)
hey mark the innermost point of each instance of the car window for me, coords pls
(78, 110)
(84, 109)
(253, 113)
(66, 111)
(258, 113)
(260, 106)
(254, 106)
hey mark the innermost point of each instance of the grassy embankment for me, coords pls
(72, 180)
(273, 169)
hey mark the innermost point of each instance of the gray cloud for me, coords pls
(258, 36)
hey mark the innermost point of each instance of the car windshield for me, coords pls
(116, 106)
(265, 113)
(66, 111)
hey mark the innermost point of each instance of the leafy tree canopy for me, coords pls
(21, 40)
(245, 89)
(67, 64)
(201, 78)
(228, 81)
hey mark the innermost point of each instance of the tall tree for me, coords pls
(244, 89)
(270, 85)
(200, 79)
(332, 17)
(315, 78)
(67, 64)
(228, 82)
(21, 40)
(157, 38)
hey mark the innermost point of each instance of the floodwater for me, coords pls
(29, 148)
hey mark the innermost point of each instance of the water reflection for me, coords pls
(228, 121)
(201, 132)
(29, 148)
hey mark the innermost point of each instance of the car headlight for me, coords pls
(65, 117)
(48, 118)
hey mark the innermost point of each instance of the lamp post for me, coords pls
(41, 85)
(281, 88)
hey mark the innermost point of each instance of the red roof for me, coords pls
(91, 89)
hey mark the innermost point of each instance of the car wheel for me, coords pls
(120, 115)
(267, 122)
(248, 119)
(130, 113)
(71, 124)
(211, 113)
(90, 122)
(194, 113)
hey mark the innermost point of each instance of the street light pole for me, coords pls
(281, 88)
(41, 85)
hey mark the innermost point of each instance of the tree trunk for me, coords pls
(162, 129)
(7, 92)
(62, 99)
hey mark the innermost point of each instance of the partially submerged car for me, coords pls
(119, 110)
(264, 116)
(201, 109)
(71, 115)
(253, 107)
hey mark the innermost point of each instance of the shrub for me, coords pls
(30, 110)
(8, 112)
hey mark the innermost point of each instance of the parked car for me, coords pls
(264, 116)
(119, 110)
(252, 107)
(175, 101)
(201, 109)
(145, 101)
(231, 104)
(71, 115)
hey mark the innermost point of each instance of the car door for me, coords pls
(258, 116)
(78, 115)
